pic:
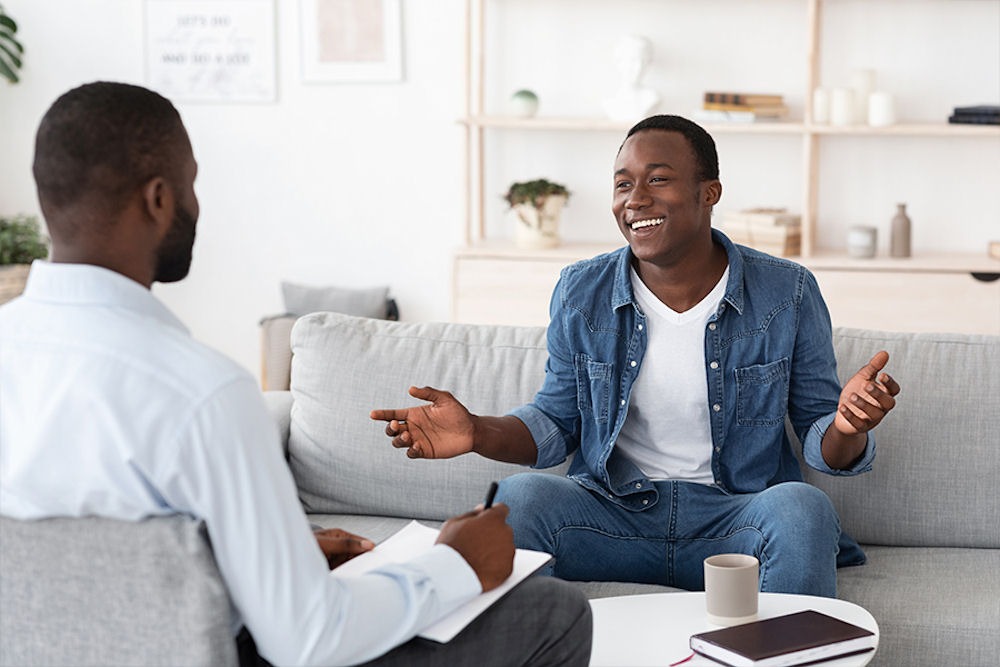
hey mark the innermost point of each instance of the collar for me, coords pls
(89, 285)
(622, 295)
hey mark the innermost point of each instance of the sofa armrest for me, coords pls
(279, 404)
(275, 351)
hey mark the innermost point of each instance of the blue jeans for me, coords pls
(792, 529)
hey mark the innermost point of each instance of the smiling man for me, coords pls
(673, 365)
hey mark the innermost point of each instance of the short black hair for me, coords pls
(701, 141)
(102, 140)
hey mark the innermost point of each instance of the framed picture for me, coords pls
(351, 40)
(211, 50)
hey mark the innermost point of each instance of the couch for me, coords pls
(928, 515)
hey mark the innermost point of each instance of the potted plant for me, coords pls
(21, 242)
(538, 205)
(10, 48)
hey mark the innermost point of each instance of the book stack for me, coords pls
(771, 230)
(984, 114)
(746, 107)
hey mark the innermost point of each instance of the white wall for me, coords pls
(362, 184)
(346, 184)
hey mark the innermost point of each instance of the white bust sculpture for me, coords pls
(632, 102)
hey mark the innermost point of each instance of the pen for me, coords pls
(488, 503)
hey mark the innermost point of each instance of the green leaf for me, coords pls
(4, 37)
(7, 73)
(11, 56)
(7, 22)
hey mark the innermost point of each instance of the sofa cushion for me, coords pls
(94, 591)
(934, 481)
(937, 606)
(344, 366)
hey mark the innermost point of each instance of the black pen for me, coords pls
(488, 503)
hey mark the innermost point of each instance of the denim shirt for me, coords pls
(768, 355)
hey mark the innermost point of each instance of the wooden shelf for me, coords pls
(919, 263)
(910, 130)
(822, 260)
(577, 124)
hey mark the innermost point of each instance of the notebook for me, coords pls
(793, 639)
(416, 538)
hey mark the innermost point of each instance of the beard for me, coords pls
(173, 257)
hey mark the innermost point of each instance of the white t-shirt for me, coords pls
(667, 431)
(108, 407)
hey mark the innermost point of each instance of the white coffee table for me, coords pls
(640, 630)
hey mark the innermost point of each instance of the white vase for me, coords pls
(524, 104)
(538, 228)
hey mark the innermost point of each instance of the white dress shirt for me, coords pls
(108, 407)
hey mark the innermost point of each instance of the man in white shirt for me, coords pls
(110, 408)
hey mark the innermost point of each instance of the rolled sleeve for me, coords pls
(548, 437)
(813, 453)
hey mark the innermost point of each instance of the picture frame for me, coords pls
(211, 50)
(351, 41)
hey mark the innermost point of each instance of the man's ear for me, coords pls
(158, 201)
(712, 192)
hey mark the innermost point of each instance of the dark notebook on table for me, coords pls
(794, 639)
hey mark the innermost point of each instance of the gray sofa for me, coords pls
(928, 515)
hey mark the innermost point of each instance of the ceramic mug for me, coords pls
(731, 588)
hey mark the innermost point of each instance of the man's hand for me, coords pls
(339, 546)
(866, 398)
(485, 541)
(441, 430)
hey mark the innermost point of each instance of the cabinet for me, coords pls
(955, 169)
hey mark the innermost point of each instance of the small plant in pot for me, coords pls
(21, 242)
(538, 205)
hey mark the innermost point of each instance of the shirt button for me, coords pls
(716, 407)
(714, 365)
(645, 501)
(640, 327)
(623, 401)
(632, 364)
(711, 327)
(718, 449)
(638, 485)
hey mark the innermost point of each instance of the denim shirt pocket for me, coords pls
(593, 387)
(762, 394)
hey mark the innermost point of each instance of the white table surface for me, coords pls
(653, 630)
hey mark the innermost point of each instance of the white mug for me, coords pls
(731, 588)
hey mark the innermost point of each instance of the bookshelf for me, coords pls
(482, 289)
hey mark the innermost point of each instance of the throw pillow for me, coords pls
(365, 302)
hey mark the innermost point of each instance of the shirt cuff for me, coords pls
(812, 450)
(455, 582)
(547, 436)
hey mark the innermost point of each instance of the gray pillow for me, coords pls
(366, 302)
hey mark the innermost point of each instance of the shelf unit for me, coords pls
(477, 122)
